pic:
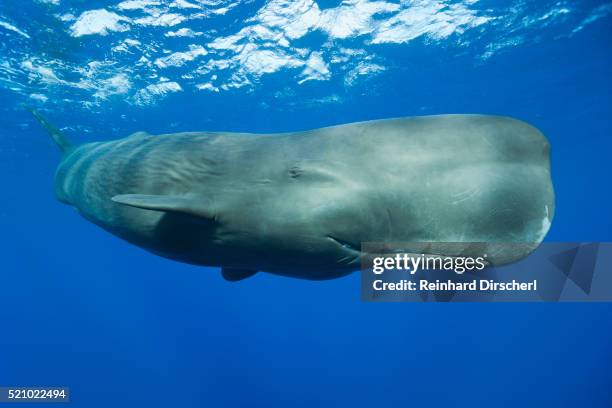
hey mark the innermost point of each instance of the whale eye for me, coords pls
(295, 171)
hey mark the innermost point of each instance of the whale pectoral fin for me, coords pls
(234, 274)
(189, 205)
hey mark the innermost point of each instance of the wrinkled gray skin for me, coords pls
(300, 204)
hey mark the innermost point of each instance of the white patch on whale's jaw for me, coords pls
(546, 223)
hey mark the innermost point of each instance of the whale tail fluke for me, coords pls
(58, 137)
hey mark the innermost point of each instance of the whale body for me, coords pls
(300, 204)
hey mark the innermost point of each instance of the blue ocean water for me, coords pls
(121, 327)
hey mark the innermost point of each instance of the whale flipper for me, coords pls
(234, 274)
(190, 205)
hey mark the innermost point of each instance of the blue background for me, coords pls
(79, 307)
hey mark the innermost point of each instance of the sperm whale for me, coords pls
(300, 204)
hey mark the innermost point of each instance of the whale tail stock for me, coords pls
(58, 137)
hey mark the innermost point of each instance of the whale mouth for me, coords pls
(350, 253)
(345, 244)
